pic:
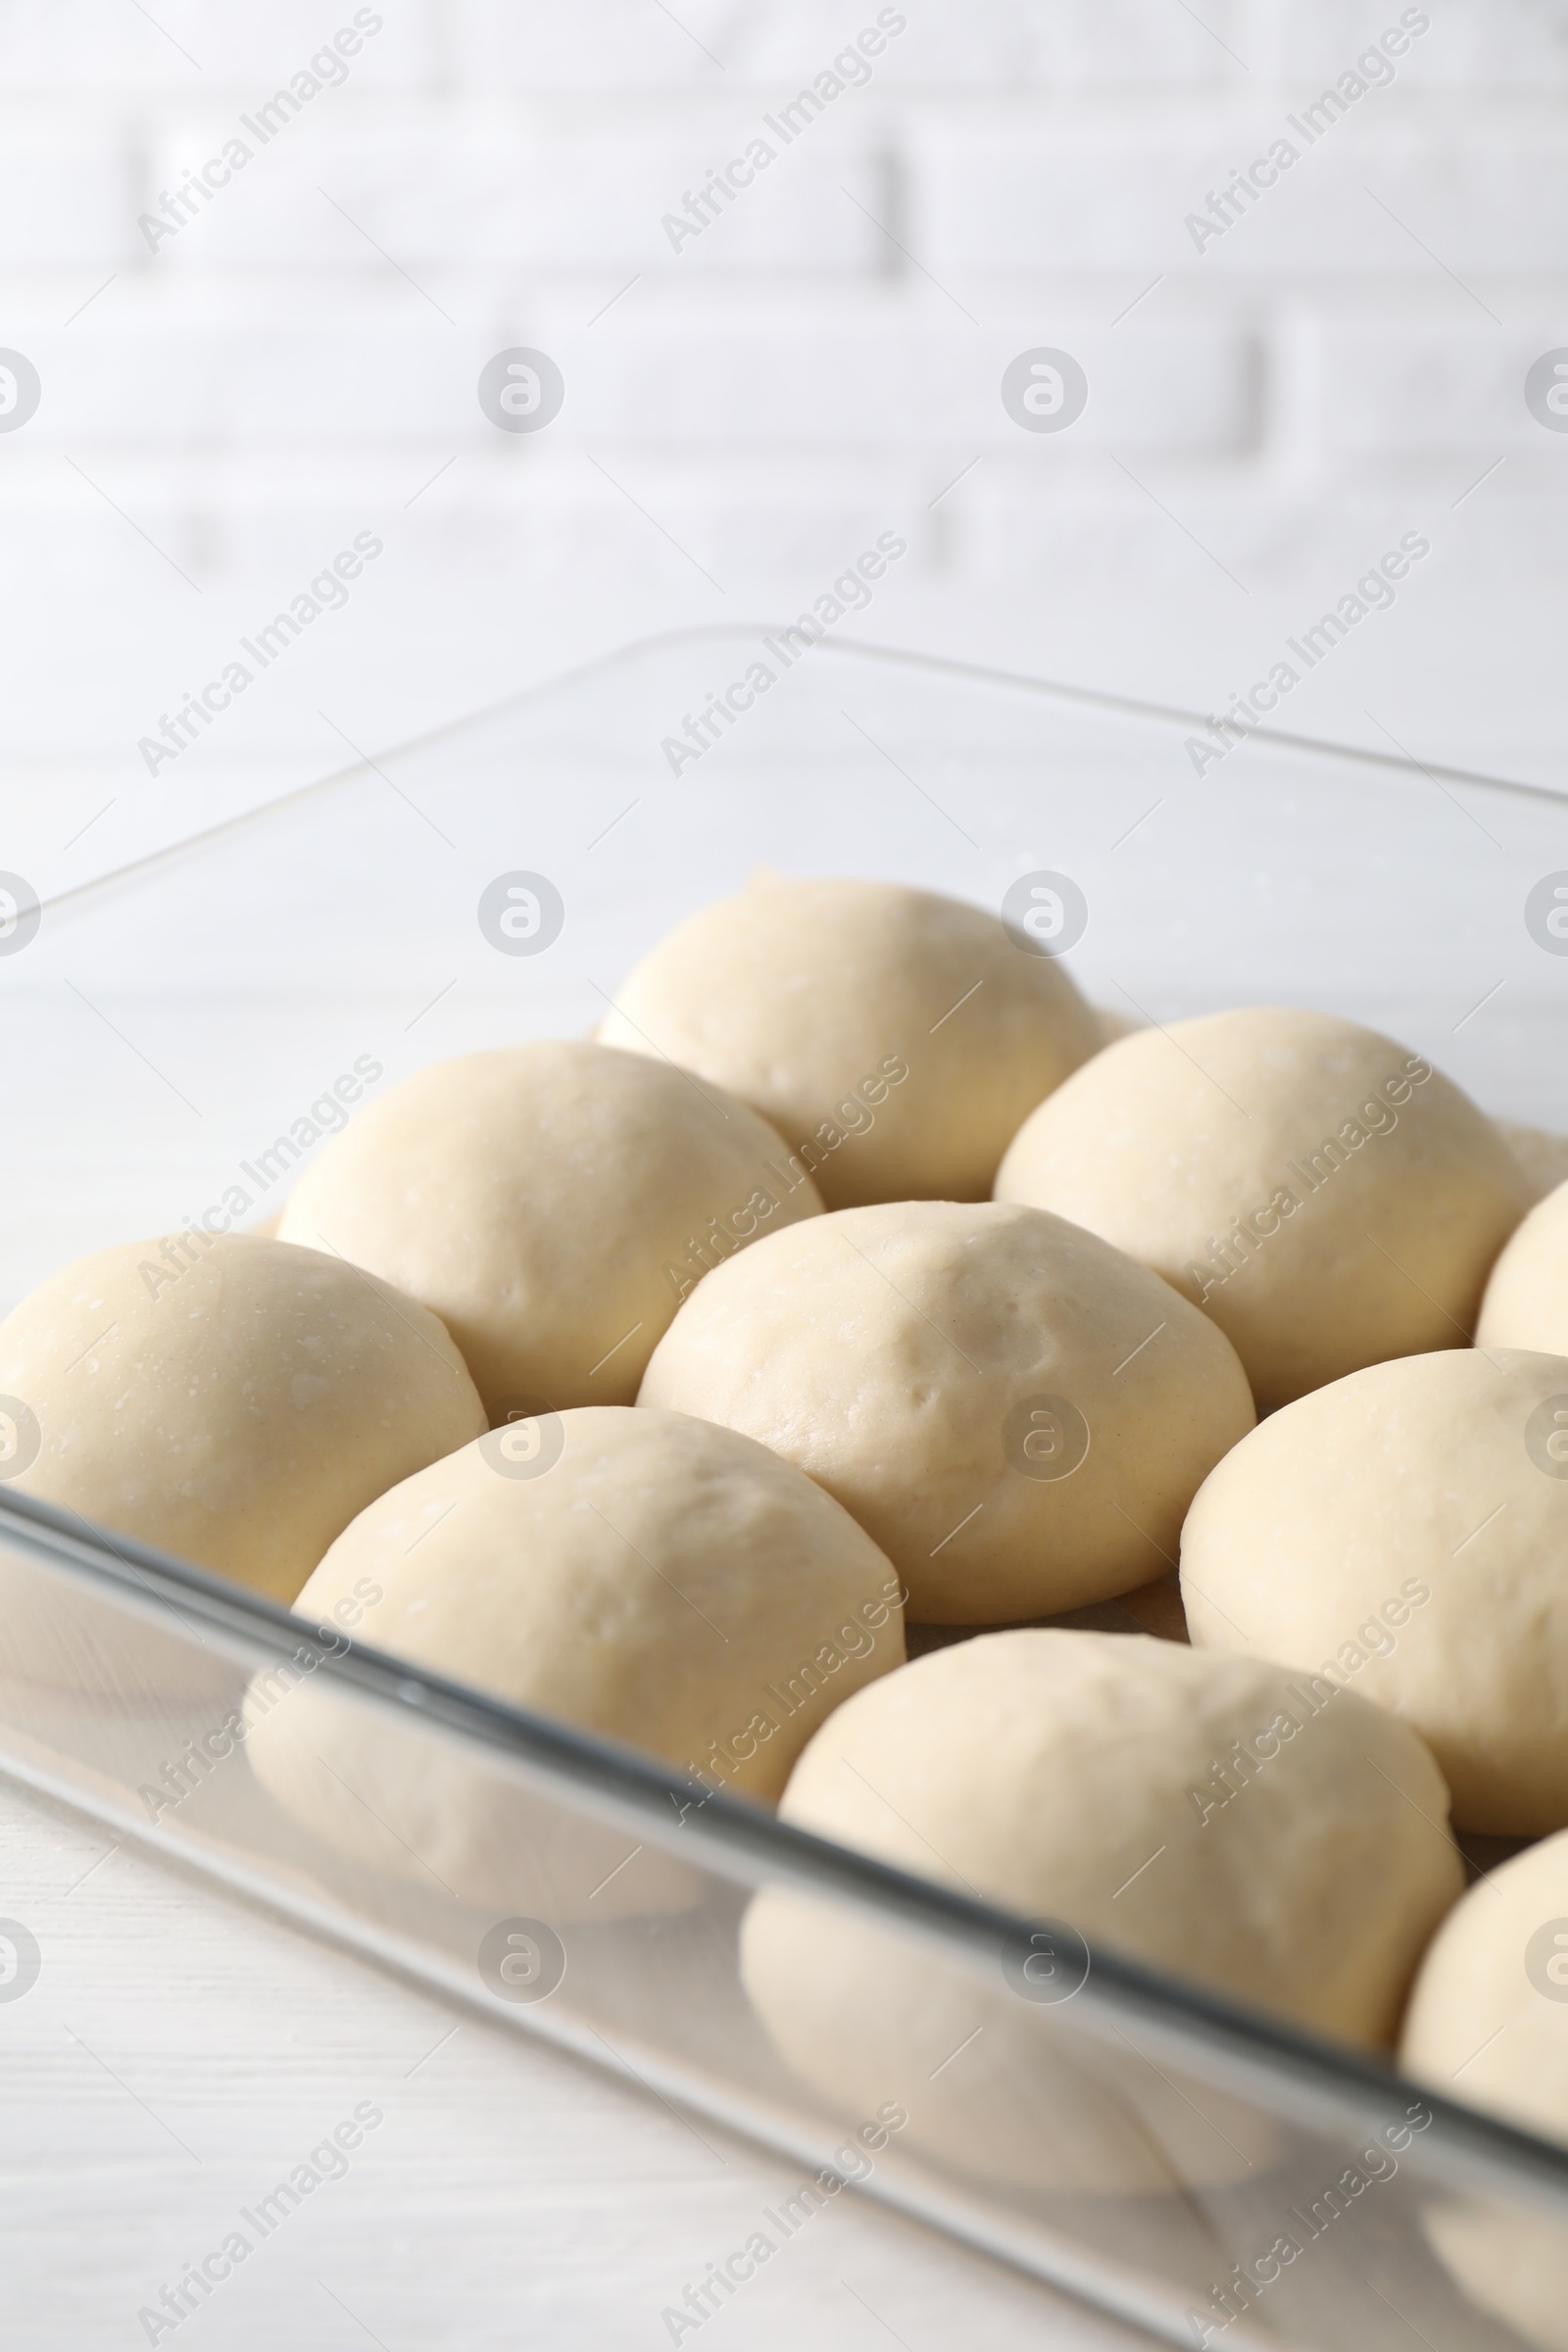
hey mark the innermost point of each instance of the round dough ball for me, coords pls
(1526, 1302)
(645, 1575)
(1487, 2022)
(1511, 2261)
(231, 1400)
(1055, 1773)
(1019, 1414)
(1082, 1777)
(389, 1814)
(895, 1038)
(1403, 1532)
(552, 1202)
(1004, 2089)
(1325, 1196)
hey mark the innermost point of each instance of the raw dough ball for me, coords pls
(893, 1037)
(1404, 1530)
(646, 1576)
(552, 1202)
(998, 2083)
(1490, 1997)
(231, 1400)
(1019, 1414)
(1082, 1777)
(1541, 1155)
(1487, 2022)
(1526, 1302)
(1326, 1197)
(1511, 2261)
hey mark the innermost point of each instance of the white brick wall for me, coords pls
(1037, 192)
(301, 359)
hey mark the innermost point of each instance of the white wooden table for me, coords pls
(179, 2054)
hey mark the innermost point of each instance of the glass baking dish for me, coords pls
(173, 1032)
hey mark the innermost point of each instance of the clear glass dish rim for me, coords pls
(1340, 2084)
(1124, 708)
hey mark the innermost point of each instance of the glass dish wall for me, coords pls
(172, 1037)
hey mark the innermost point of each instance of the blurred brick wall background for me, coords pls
(298, 364)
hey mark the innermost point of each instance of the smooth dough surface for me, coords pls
(1053, 1773)
(662, 1581)
(1492, 1995)
(1487, 2022)
(1404, 1532)
(551, 1203)
(1017, 1413)
(1045, 1768)
(1509, 2259)
(644, 1574)
(235, 1402)
(893, 1037)
(1525, 1301)
(1327, 1198)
